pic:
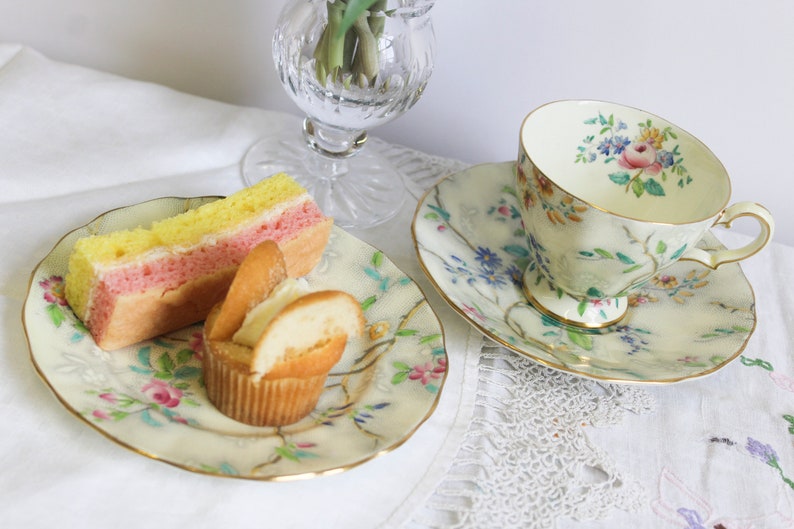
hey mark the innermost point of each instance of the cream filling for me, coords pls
(261, 315)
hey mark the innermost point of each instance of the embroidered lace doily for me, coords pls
(526, 460)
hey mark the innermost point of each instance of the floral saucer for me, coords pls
(150, 397)
(686, 323)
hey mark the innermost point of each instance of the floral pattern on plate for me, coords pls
(150, 397)
(685, 323)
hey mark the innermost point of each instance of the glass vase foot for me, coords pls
(358, 191)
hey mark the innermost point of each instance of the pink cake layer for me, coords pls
(171, 270)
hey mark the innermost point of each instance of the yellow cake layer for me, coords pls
(181, 231)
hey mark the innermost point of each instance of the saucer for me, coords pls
(685, 323)
(150, 397)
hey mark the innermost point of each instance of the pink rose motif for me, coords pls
(110, 397)
(427, 372)
(640, 156)
(196, 343)
(101, 414)
(162, 393)
(54, 290)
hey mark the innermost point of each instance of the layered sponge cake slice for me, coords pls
(131, 285)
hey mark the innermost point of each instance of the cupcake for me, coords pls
(269, 346)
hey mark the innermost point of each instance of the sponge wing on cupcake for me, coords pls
(270, 345)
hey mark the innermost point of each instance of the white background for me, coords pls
(721, 69)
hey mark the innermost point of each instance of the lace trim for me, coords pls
(526, 458)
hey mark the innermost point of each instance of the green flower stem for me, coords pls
(377, 22)
(365, 64)
(348, 47)
(330, 51)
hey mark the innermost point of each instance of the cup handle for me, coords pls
(740, 209)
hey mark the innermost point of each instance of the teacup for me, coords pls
(610, 196)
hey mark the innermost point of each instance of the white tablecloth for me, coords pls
(75, 143)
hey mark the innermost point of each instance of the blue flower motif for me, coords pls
(693, 518)
(458, 269)
(605, 146)
(632, 338)
(762, 451)
(619, 143)
(665, 158)
(541, 260)
(515, 274)
(490, 261)
(621, 125)
(493, 279)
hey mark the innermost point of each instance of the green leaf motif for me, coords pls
(367, 303)
(184, 356)
(638, 187)
(399, 378)
(625, 259)
(661, 247)
(517, 250)
(585, 341)
(402, 366)
(148, 419)
(286, 453)
(164, 363)
(444, 214)
(377, 259)
(751, 362)
(144, 354)
(187, 372)
(510, 190)
(678, 253)
(593, 292)
(654, 188)
(429, 338)
(55, 314)
(603, 253)
(621, 178)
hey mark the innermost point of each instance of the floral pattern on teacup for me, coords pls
(539, 191)
(646, 163)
